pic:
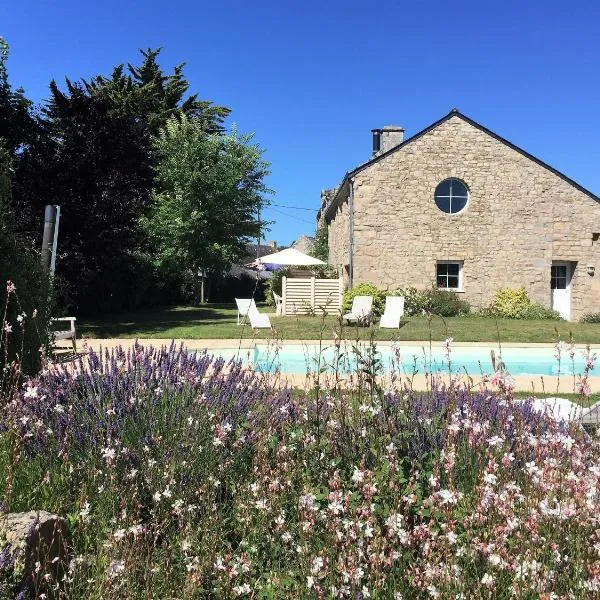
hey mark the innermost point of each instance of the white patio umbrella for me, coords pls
(287, 257)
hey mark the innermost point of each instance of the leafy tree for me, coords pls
(320, 248)
(209, 190)
(17, 125)
(5, 178)
(158, 96)
(94, 157)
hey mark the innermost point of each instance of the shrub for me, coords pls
(515, 304)
(591, 318)
(365, 289)
(511, 303)
(438, 302)
(415, 301)
(32, 294)
(447, 304)
(536, 311)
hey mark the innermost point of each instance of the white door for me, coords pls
(560, 286)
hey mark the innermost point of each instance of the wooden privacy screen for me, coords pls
(306, 295)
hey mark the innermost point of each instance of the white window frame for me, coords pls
(460, 274)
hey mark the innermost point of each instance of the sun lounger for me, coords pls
(394, 310)
(66, 334)
(243, 306)
(247, 309)
(278, 303)
(361, 311)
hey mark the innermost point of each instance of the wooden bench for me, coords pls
(66, 334)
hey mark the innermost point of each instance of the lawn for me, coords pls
(218, 321)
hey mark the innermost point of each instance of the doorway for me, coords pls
(560, 288)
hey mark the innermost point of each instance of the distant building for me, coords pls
(459, 207)
(253, 251)
(304, 244)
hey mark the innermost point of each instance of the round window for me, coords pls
(451, 195)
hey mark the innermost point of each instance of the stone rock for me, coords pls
(35, 544)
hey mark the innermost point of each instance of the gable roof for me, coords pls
(453, 113)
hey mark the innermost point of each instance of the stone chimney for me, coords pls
(387, 138)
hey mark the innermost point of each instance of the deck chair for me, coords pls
(247, 310)
(258, 320)
(394, 310)
(361, 311)
(66, 334)
(243, 306)
(278, 303)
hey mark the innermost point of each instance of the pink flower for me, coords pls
(10, 287)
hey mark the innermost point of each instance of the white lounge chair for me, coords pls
(247, 309)
(66, 334)
(394, 310)
(278, 303)
(361, 311)
(243, 306)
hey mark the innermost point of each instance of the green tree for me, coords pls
(94, 157)
(320, 248)
(209, 191)
(18, 265)
(17, 124)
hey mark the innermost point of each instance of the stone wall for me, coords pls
(519, 218)
(339, 239)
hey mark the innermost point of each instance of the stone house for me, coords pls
(458, 207)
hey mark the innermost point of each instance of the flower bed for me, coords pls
(182, 476)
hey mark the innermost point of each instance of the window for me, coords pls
(558, 277)
(451, 196)
(449, 275)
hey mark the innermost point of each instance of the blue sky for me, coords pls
(311, 79)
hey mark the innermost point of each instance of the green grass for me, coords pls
(218, 321)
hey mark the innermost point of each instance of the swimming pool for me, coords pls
(408, 359)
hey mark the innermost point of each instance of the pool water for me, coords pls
(408, 359)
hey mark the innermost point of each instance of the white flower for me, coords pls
(494, 559)
(31, 392)
(495, 440)
(358, 476)
(310, 581)
(84, 513)
(451, 537)
(115, 568)
(447, 497)
(317, 565)
(108, 453)
(490, 478)
(487, 580)
(239, 590)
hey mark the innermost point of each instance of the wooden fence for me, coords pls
(306, 295)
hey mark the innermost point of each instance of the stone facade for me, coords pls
(520, 217)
